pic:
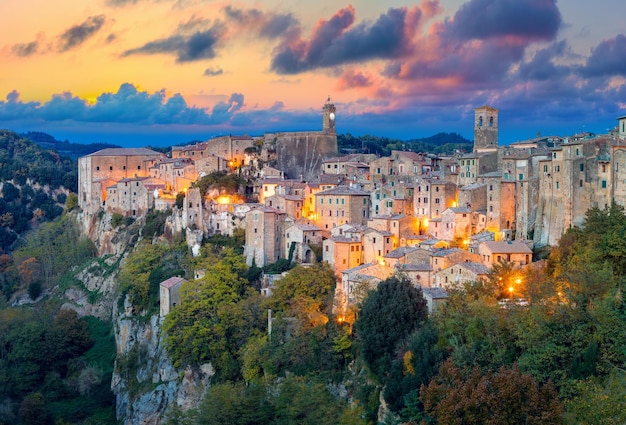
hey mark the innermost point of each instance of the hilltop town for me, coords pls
(438, 220)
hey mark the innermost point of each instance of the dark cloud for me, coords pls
(199, 45)
(350, 79)
(212, 72)
(120, 3)
(542, 66)
(78, 34)
(111, 37)
(25, 49)
(127, 106)
(337, 41)
(268, 25)
(528, 19)
(607, 58)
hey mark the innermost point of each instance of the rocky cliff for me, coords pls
(145, 383)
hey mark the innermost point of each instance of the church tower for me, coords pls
(328, 116)
(485, 129)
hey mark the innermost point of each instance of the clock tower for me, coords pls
(328, 116)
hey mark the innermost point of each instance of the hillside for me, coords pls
(64, 148)
(440, 143)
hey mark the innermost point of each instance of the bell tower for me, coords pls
(485, 129)
(328, 116)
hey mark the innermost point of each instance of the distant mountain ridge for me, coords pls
(65, 148)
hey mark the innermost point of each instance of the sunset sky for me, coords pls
(162, 72)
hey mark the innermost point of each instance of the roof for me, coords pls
(401, 252)
(487, 107)
(509, 247)
(414, 267)
(445, 252)
(475, 267)
(460, 210)
(307, 227)
(172, 281)
(435, 293)
(343, 190)
(126, 152)
(344, 239)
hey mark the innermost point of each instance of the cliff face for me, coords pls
(145, 383)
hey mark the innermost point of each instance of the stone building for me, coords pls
(340, 205)
(577, 176)
(300, 154)
(485, 129)
(264, 236)
(169, 294)
(515, 252)
(106, 167)
(431, 197)
(459, 274)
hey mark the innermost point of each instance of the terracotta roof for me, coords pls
(172, 281)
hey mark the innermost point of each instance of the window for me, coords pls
(326, 248)
(582, 166)
(490, 121)
(110, 168)
(545, 168)
(521, 176)
(603, 184)
(604, 168)
(98, 168)
(490, 187)
(139, 167)
(581, 183)
(557, 185)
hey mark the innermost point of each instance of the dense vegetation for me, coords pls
(65, 148)
(55, 367)
(25, 171)
(558, 359)
(440, 143)
(22, 159)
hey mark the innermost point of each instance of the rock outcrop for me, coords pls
(145, 383)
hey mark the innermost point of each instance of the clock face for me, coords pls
(332, 116)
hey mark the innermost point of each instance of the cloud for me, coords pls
(126, 106)
(187, 48)
(543, 67)
(212, 72)
(607, 58)
(120, 3)
(351, 79)
(337, 41)
(25, 49)
(528, 19)
(78, 34)
(266, 24)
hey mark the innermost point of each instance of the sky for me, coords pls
(164, 72)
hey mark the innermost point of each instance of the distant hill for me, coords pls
(440, 143)
(65, 148)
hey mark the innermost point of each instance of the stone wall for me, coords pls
(301, 153)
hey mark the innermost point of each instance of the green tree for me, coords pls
(305, 293)
(388, 316)
(208, 324)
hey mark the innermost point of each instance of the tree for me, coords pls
(388, 316)
(209, 323)
(305, 293)
(468, 397)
